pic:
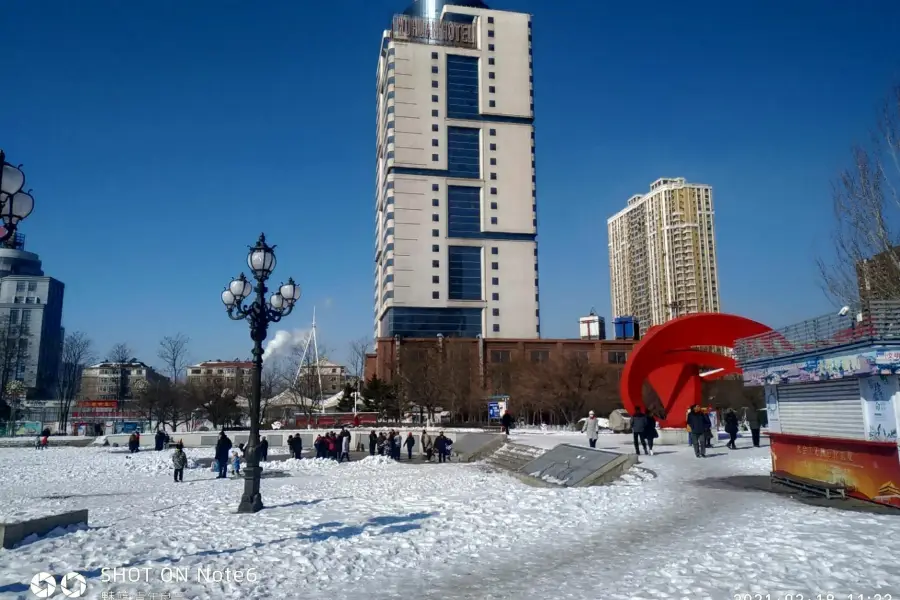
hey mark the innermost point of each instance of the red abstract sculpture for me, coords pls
(668, 360)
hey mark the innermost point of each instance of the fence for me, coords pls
(875, 321)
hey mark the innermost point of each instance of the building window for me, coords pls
(435, 279)
(491, 60)
(462, 86)
(494, 176)
(434, 69)
(434, 98)
(492, 89)
(492, 104)
(540, 356)
(434, 84)
(434, 127)
(464, 152)
(490, 47)
(501, 356)
(435, 264)
(495, 312)
(32, 286)
(493, 162)
(464, 273)
(435, 142)
(435, 202)
(463, 211)
(493, 192)
(435, 157)
(435, 233)
(493, 147)
(21, 286)
(435, 217)
(492, 75)
(495, 297)
(434, 55)
(490, 33)
(495, 281)
(495, 266)
(616, 358)
(495, 250)
(493, 220)
(435, 248)
(492, 132)
(435, 187)
(428, 322)
(435, 295)
(491, 20)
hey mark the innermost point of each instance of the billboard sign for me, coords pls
(433, 31)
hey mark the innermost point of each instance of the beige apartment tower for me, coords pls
(662, 254)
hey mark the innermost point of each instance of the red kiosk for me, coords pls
(832, 397)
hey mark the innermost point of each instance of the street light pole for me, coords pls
(259, 314)
(15, 204)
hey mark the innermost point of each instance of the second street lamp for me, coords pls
(259, 313)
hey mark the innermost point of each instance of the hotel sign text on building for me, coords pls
(433, 31)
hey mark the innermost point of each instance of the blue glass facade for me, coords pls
(462, 86)
(464, 272)
(464, 152)
(463, 211)
(428, 322)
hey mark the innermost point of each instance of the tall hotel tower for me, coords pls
(662, 254)
(455, 216)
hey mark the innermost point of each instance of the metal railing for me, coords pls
(875, 321)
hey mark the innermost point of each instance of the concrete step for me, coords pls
(512, 457)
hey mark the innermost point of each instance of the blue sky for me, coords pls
(161, 137)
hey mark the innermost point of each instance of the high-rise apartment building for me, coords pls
(662, 254)
(455, 201)
(31, 305)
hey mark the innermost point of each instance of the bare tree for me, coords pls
(77, 352)
(14, 358)
(866, 206)
(173, 351)
(120, 355)
(458, 374)
(358, 351)
(218, 402)
(272, 383)
(421, 375)
(176, 402)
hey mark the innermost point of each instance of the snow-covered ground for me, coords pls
(377, 529)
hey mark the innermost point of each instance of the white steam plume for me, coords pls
(284, 341)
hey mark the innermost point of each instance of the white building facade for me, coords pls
(662, 253)
(455, 201)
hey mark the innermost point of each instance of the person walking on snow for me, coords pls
(223, 447)
(638, 429)
(373, 442)
(427, 446)
(753, 425)
(697, 425)
(506, 421)
(179, 461)
(410, 443)
(731, 427)
(345, 447)
(591, 428)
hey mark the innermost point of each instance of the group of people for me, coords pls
(335, 446)
(225, 456)
(643, 430)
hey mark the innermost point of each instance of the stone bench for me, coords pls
(13, 533)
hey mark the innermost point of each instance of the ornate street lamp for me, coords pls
(15, 204)
(259, 313)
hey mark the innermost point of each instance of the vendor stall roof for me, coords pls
(875, 322)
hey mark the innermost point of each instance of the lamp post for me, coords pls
(15, 204)
(259, 314)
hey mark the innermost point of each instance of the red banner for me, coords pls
(869, 470)
(336, 420)
(97, 404)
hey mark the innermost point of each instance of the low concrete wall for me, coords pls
(610, 471)
(13, 533)
(672, 437)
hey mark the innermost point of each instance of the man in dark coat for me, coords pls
(160, 440)
(753, 424)
(698, 425)
(506, 421)
(223, 447)
(638, 427)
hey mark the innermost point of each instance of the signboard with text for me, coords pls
(433, 31)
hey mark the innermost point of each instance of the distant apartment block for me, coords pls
(662, 254)
(235, 375)
(102, 381)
